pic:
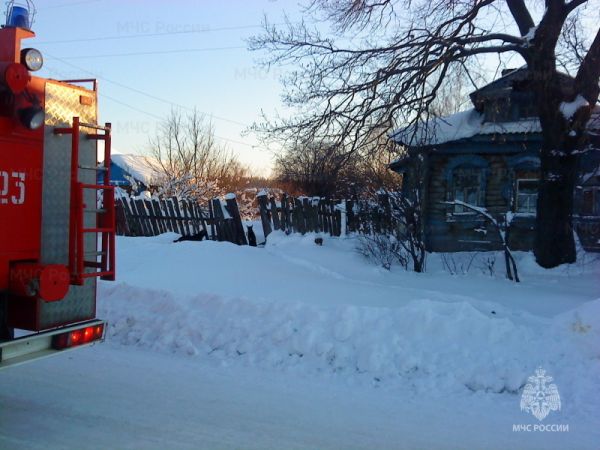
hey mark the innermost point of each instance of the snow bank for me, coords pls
(295, 306)
(430, 345)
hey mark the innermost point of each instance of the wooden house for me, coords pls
(488, 156)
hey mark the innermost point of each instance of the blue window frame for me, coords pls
(466, 178)
(527, 194)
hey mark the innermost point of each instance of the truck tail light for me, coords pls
(78, 337)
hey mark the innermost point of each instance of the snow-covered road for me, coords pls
(113, 398)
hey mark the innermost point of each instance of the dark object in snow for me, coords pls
(194, 237)
(319, 241)
(251, 237)
(494, 312)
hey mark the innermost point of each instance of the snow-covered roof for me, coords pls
(466, 124)
(141, 168)
(462, 125)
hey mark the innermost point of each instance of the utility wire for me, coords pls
(160, 52)
(146, 94)
(145, 35)
(65, 5)
(157, 117)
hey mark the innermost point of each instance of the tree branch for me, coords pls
(586, 81)
(520, 13)
(491, 37)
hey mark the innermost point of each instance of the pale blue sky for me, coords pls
(223, 82)
(182, 53)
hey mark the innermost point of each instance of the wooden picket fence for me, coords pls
(322, 215)
(150, 217)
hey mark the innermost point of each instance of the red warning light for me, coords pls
(78, 337)
(88, 334)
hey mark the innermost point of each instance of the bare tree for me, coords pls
(311, 168)
(189, 161)
(326, 170)
(387, 61)
(402, 241)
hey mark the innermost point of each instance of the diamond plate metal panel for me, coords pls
(62, 104)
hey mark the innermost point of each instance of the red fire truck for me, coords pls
(57, 223)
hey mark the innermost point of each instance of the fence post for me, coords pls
(185, 212)
(158, 214)
(264, 213)
(337, 213)
(125, 216)
(299, 220)
(200, 215)
(234, 211)
(121, 218)
(137, 218)
(146, 208)
(179, 218)
(343, 217)
(306, 214)
(170, 212)
(285, 213)
(213, 221)
(275, 215)
(142, 217)
(218, 219)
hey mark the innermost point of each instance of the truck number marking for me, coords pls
(15, 182)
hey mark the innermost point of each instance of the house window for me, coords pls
(591, 201)
(527, 194)
(468, 184)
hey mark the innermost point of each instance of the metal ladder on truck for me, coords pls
(79, 259)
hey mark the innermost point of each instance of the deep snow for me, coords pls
(353, 355)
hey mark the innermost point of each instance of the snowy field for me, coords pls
(293, 345)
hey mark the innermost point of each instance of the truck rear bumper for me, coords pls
(41, 345)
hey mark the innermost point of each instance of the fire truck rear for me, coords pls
(57, 232)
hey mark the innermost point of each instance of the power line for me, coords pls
(157, 117)
(146, 94)
(160, 52)
(65, 5)
(127, 105)
(145, 35)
